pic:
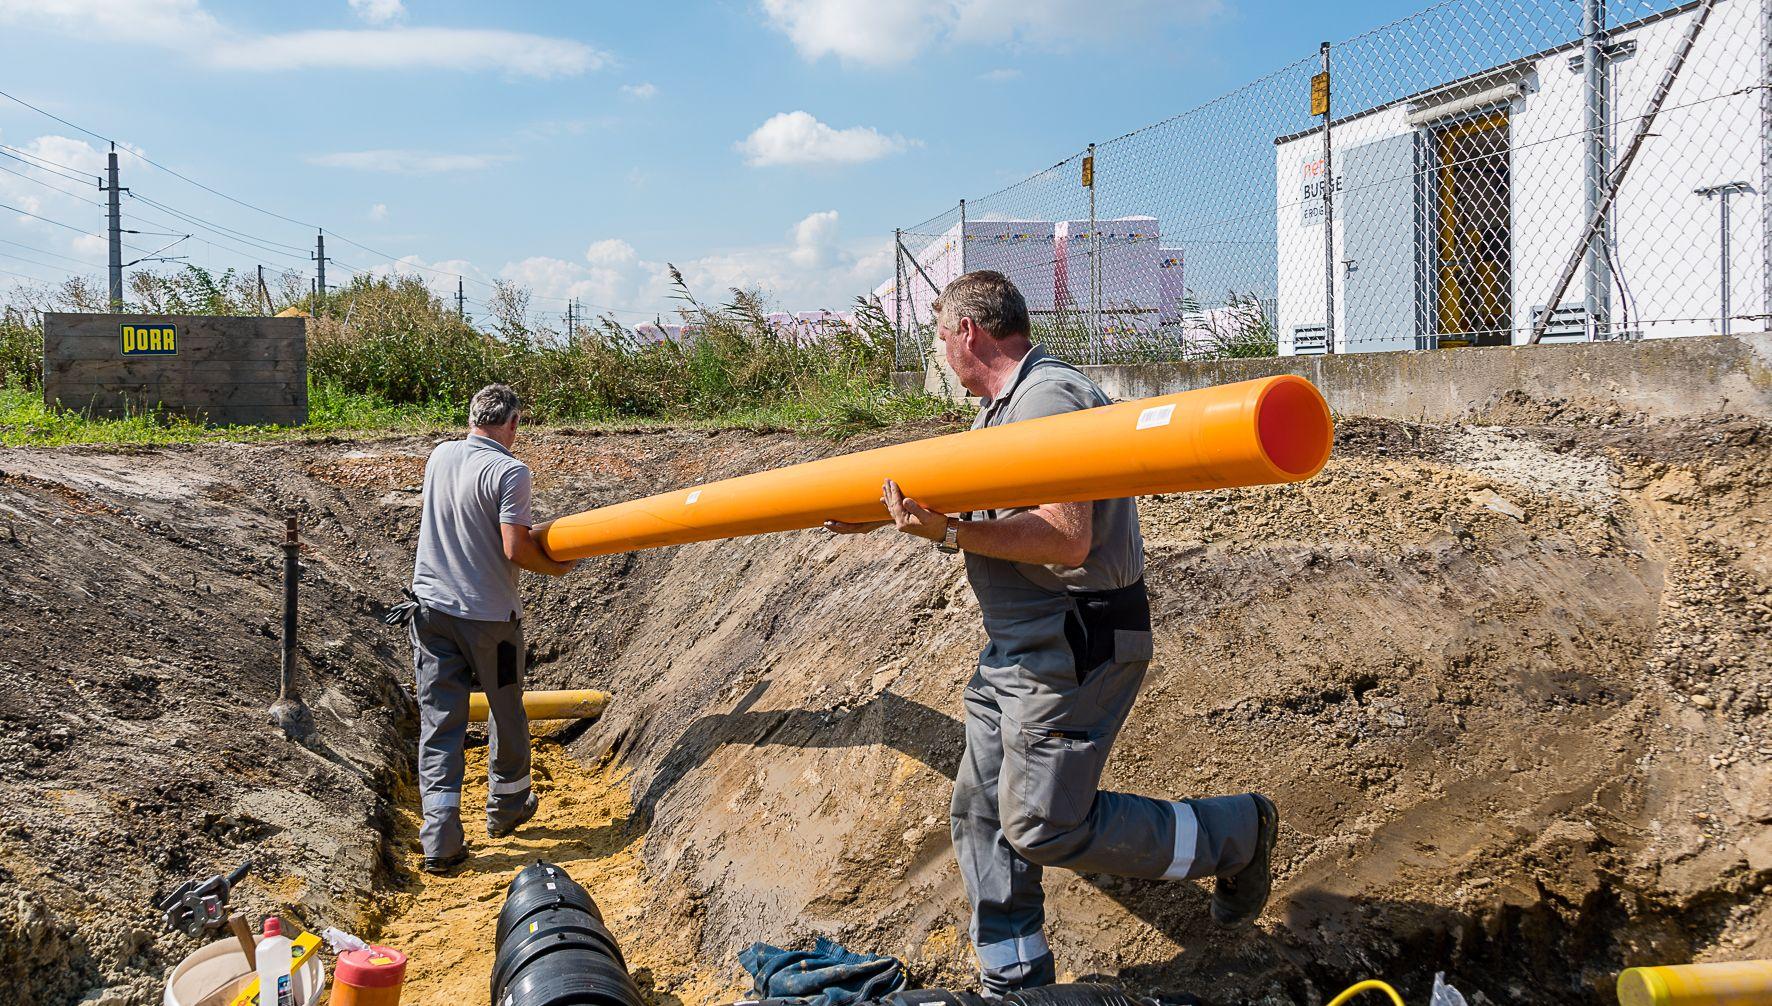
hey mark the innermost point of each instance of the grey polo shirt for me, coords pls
(1045, 386)
(471, 487)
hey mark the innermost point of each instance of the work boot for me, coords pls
(1237, 900)
(522, 818)
(443, 865)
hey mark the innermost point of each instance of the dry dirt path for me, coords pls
(584, 825)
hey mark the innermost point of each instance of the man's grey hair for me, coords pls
(989, 299)
(493, 405)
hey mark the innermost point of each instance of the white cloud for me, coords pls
(881, 34)
(378, 11)
(184, 26)
(642, 91)
(798, 138)
(814, 268)
(815, 240)
(407, 162)
(378, 212)
(864, 31)
(1000, 75)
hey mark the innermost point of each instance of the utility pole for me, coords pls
(571, 330)
(264, 291)
(461, 301)
(1598, 299)
(320, 269)
(114, 213)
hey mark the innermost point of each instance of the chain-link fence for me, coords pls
(1485, 172)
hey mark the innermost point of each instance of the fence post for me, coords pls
(962, 237)
(1094, 269)
(1766, 164)
(897, 296)
(1594, 74)
(1328, 210)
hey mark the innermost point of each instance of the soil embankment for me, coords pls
(1508, 683)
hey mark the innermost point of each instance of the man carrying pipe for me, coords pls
(1061, 589)
(466, 624)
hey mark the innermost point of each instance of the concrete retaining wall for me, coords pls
(1660, 377)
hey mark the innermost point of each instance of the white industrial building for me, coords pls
(1456, 208)
(1049, 262)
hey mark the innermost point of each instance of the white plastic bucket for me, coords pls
(216, 973)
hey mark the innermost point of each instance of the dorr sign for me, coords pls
(219, 370)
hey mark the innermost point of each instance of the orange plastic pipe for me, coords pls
(1272, 430)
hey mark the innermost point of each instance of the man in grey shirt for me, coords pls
(1061, 589)
(468, 626)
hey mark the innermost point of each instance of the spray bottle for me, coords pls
(276, 986)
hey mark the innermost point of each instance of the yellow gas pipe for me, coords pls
(569, 704)
(1724, 983)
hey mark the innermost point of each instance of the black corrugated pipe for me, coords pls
(552, 948)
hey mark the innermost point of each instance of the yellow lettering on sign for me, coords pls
(171, 339)
(129, 338)
(154, 339)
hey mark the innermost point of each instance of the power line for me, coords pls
(46, 220)
(45, 251)
(192, 218)
(67, 171)
(45, 265)
(56, 117)
(219, 231)
(57, 188)
(20, 275)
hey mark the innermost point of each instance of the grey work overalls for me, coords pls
(1053, 688)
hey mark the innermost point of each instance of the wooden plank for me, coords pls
(167, 369)
(109, 348)
(281, 416)
(78, 395)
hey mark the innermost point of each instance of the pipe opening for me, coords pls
(1293, 424)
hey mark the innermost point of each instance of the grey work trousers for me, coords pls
(451, 656)
(1042, 714)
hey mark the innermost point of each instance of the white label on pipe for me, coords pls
(1156, 415)
(550, 886)
(692, 497)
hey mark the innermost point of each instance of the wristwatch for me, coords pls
(950, 542)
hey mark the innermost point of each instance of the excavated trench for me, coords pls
(1508, 683)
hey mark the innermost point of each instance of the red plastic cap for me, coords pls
(273, 926)
(375, 968)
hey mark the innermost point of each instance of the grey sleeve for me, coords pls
(514, 488)
(1052, 397)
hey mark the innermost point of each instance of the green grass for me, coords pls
(334, 412)
(26, 422)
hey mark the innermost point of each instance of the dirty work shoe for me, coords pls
(519, 821)
(443, 865)
(1237, 900)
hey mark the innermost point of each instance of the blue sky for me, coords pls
(577, 147)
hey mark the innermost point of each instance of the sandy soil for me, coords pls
(1508, 682)
(585, 826)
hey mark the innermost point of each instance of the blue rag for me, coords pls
(826, 975)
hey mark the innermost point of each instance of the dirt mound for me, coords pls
(1509, 685)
